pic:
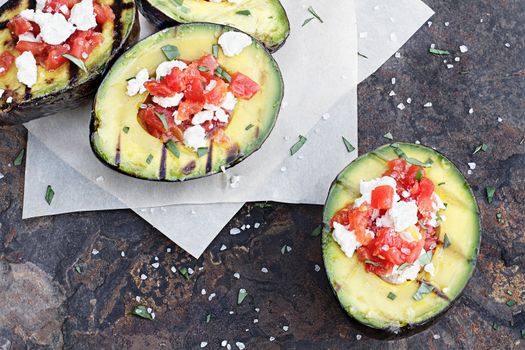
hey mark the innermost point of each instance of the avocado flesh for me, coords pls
(267, 20)
(114, 109)
(67, 76)
(363, 295)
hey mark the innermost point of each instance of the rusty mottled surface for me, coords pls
(46, 304)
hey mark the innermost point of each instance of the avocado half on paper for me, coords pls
(121, 141)
(68, 86)
(365, 296)
(265, 20)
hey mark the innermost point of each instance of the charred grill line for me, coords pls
(117, 7)
(73, 73)
(3, 25)
(117, 156)
(10, 5)
(209, 159)
(28, 94)
(162, 170)
(31, 4)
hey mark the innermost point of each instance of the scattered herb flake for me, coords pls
(208, 318)
(141, 311)
(203, 69)
(419, 175)
(425, 258)
(373, 263)
(423, 290)
(312, 11)
(171, 51)
(215, 50)
(499, 217)
(248, 127)
(360, 54)
(511, 302)
(76, 61)
(125, 129)
(19, 158)
(317, 231)
(509, 292)
(409, 160)
(422, 225)
(77, 269)
(391, 296)
(184, 272)
(221, 73)
(388, 136)
(242, 294)
(297, 146)
(446, 242)
(284, 249)
(50, 194)
(438, 52)
(481, 148)
(244, 13)
(403, 266)
(490, 191)
(306, 21)
(495, 326)
(202, 151)
(179, 2)
(172, 147)
(441, 183)
(162, 118)
(262, 205)
(349, 147)
(149, 159)
(522, 334)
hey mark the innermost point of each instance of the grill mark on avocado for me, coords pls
(3, 25)
(73, 73)
(12, 5)
(209, 160)
(188, 168)
(232, 153)
(162, 170)
(28, 94)
(117, 7)
(117, 155)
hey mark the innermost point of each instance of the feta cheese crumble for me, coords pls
(195, 137)
(347, 240)
(83, 15)
(232, 43)
(168, 102)
(136, 85)
(165, 68)
(27, 70)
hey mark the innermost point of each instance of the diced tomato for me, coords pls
(195, 91)
(174, 81)
(382, 197)
(149, 118)
(380, 266)
(157, 88)
(54, 57)
(6, 61)
(18, 26)
(37, 49)
(192, 73)
(243, 87)
(189, 108)
(103, 13)
(55, 5)
(217, 94)
(84, 42)
(210, 63)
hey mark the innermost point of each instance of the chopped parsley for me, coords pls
(141, 311)
(184, 272)
(511, 302)
(297, 146)
(162, 118)
(248, 127)
(349, 147)
(221, 73)
(50, 194)
(202, 151)
(410, 160)
(391, 296)
(76, 61)
(285, 248)
(171, 51)
(179, 2)
(244, 13)
(388, 136)
(317, 231)
(241, 296)
(425, 258)
(499, 217)
(446, 242)
(215, 50)
(441, 183)
(423, 290)
(262, 205)
(360, 54)
(203, 69)
(149, 159)
(314, 14)
(373, 263)
(77, 269)
(172, 147)
(19, 158)
(306, 21)
(490, 191)
(419, 175)
(438, 52)
(481, 148)
(208, 318)
(522, 332)
(404, 266)
(125, 129)
(495, 326)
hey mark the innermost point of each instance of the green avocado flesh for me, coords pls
(265, 20)
(119, 139)
(363, 295)
(67, 76)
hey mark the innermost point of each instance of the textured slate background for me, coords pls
(45, 303)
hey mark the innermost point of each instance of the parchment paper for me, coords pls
(314, 59)
(372, 15)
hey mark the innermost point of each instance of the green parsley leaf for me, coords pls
(403, 266)
(499, 217)
(141, 311)
(172, 147)
(419, 175)
(184, 272)
(522, 332)
(125, 129)
(202, 151)
(425, 258)
(509, 292)
(306, 21)
(149, 159)
(438, 52)
(221, 73)
(446, 242)
(208, 318)
(441, 183)
(312, 11)
(248, 127)
(490, 190)
(262, 205)
(391, 296)
(297, 146)
(495, 326)
(349, 147)
(388, 136)
(360, 54)
(409, 160)
(422, 225)
(481, 148)
(511, 302)
(244, 13)
(423, 290)
(373, 263)
(171, 51)
(50, 194)
(203, 69)
(77, 269)
(76, 61)
(242, 294)
(19, 158)
(162, 118)
(317, 231)
(215, 50)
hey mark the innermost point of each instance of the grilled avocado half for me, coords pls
(366, 297)
(265, 20)
(68, 86)
(119, 140)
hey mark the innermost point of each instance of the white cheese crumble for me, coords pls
(30, 37)
(229, 102)
(347, 240)
(202, 117)
(403, 214)
(232, 43)
(136, 85)
(211, 85)
(168, 102)
(165, 68)
(221, 116)
(54, 28)
(366, 188)
(195, 137)
(2, 92)
(408, 273)
(83, 15)
(27, 70)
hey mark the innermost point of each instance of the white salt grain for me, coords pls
(392, 93)
(143, 277)
(401, 106)
(264, 270)
(223, 247)
(237, 275)
(94, 251)
(463, 49)
(427, 105)
(235, 231)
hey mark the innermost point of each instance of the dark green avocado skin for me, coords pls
(70, 98)
(161, 21)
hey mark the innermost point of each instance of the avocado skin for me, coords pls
(161, 21)
(410, 329)
(70, 98)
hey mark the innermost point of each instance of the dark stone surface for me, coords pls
(45, 303)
